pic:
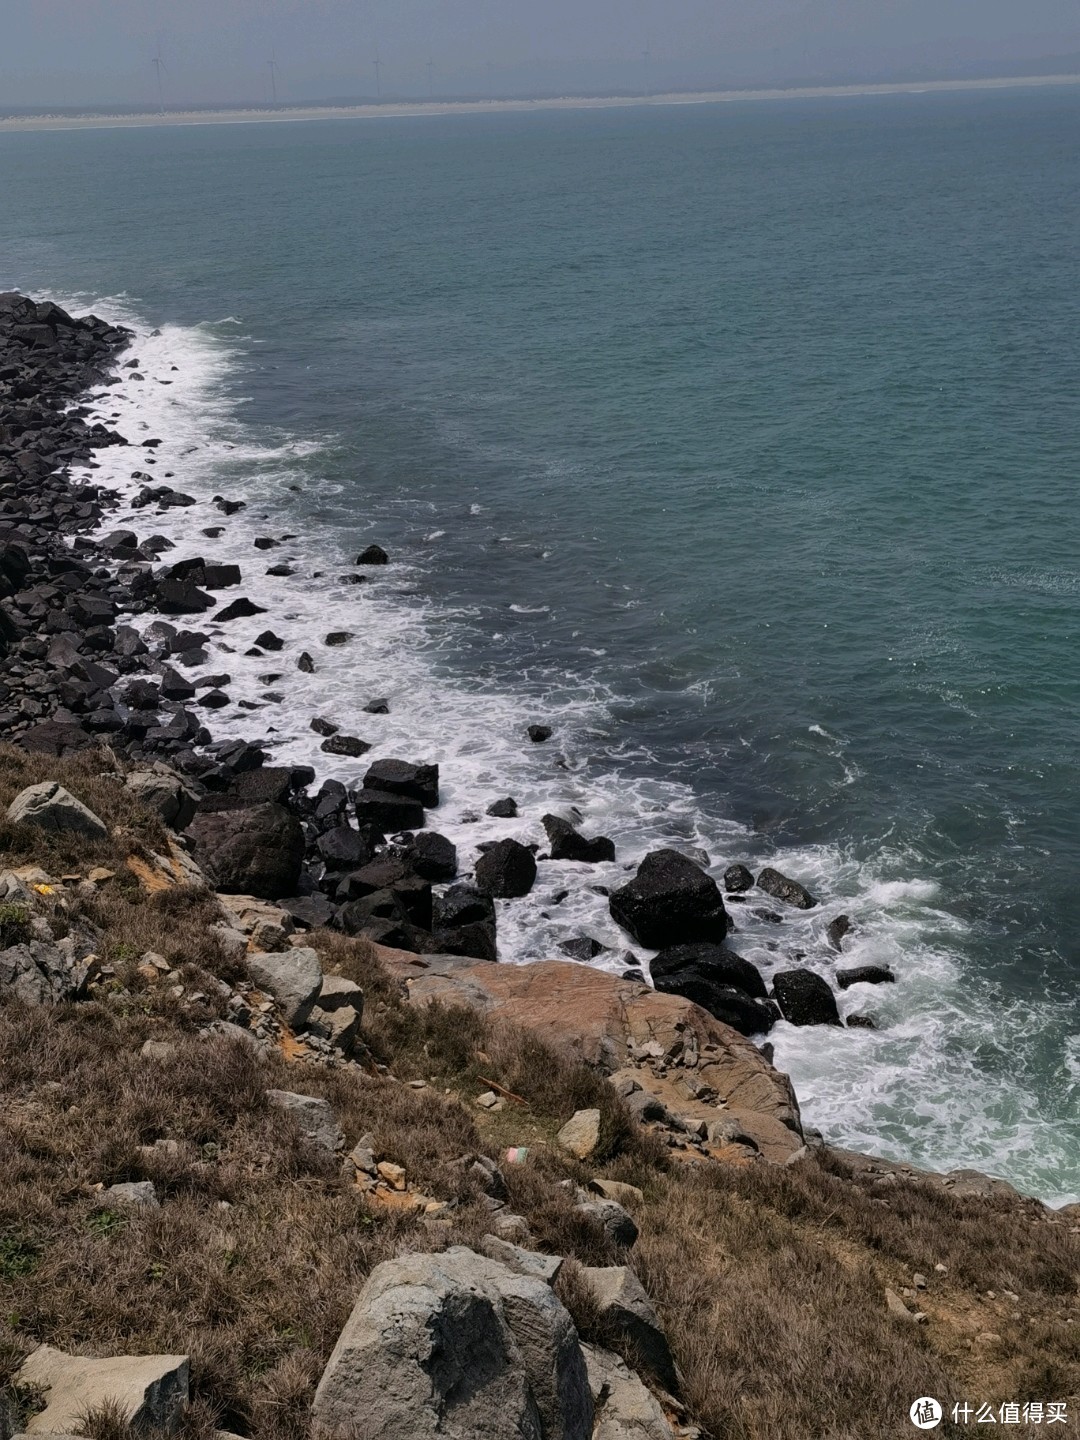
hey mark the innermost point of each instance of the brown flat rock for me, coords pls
(599, 1015)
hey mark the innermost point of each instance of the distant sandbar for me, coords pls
(397, 110)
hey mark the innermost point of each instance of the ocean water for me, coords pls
(737, 442)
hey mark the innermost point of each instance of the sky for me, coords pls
(56, 53)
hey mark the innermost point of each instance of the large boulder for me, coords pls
(805, 998)
(49, 806)
(569, 844)
(506, 871)
(389, 811)
(150, 1392)
(401, 777)
(722, 982)
(455, 1347)
(256, 851)
(670, 901)
(782, 888)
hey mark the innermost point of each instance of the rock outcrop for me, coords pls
(613, 1023)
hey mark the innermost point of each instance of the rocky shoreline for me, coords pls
(358, 857)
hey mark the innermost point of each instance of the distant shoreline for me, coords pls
(399, 110)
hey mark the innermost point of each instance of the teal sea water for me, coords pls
(741, 441)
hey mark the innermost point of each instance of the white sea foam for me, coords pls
(916, 1088)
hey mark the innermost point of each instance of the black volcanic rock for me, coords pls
(781, 888)
(670, 901)
(805, 998)
(568, 844)
(507, 870)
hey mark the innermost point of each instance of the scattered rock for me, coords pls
(895, 1306)
(400, 777)
(626, 1311)
(581, 1134)
(625, 1408)
(539, 733)
(163, 792)
(837, 929)
(568, 844)
(738, 879)
(373, 555)
(523, 1262)
(294, 978)
(315, 1118)
(239, 609)
(616, 1221)
(781, 888)
(720, 981)
(140, 1193)
(865, 975)
(505, 809)
(350, 745)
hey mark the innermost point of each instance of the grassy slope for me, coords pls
(770, 1281)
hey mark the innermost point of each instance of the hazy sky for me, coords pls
(85, 51)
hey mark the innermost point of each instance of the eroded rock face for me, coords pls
(455, 1347)
(49, 806)
(255, 851)
(670, 901)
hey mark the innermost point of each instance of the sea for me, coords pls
(739, 443)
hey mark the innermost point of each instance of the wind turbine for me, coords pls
(646, 56)
(430, 78)
(159, 66)
(378, 78)
(272, 66)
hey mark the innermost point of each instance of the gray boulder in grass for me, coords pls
(455, 1347)
(50, 807)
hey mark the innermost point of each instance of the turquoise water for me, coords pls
(743, 440)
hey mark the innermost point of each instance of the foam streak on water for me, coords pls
(943, 1082)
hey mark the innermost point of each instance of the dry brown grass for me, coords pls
(89, 775)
